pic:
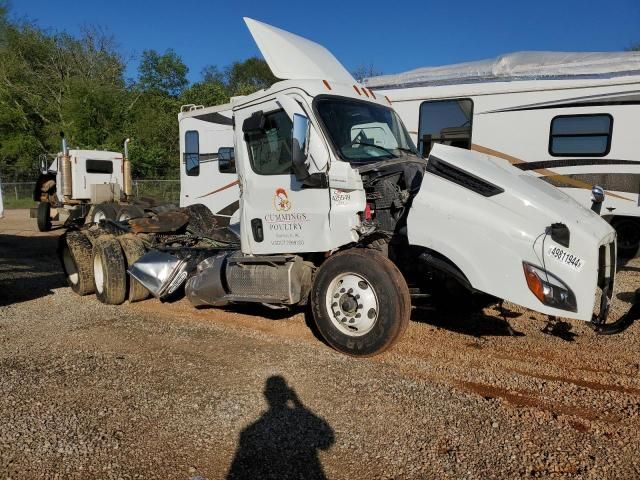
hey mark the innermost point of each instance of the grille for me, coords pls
(606, 274)
(462, 178)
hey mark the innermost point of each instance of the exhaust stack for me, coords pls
(66, 170)
(126, 171)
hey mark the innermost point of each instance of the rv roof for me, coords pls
(518, 66)
(199, 110)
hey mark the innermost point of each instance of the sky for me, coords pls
(393, 36)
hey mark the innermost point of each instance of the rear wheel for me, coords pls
(44, 216)
(361, 302)
(133, 249)
(109, 273)
(628, 231)
(102, 211)
(75, 254)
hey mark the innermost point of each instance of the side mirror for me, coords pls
(44, 165)
(597, 197)
(300, 146)
(226, 160)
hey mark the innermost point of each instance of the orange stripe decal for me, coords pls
(563, 179)
(232, 184)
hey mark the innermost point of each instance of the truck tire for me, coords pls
(133, 249)
(75, 254)
(102, 211)
(109, 273)
(360, 301)
(628, 231)
(44, 217)
(127, 212)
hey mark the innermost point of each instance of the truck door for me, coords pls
(278, 214)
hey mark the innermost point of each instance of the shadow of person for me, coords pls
(284, 442)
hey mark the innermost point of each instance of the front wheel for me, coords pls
(44, 216)
(361, 302)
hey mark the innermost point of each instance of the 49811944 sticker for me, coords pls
(565, 257)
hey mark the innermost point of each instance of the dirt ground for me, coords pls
(157, 390)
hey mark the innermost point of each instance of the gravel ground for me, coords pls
(154, 390)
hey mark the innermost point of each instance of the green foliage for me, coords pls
(52, 82)
(634, 48)
(164, 73)
(241, 78)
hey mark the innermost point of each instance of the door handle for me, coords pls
(258, 231)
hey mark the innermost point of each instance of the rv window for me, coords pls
(580, 135)
(192, 153)
(100, 166)
(445, 121)
(270, 148)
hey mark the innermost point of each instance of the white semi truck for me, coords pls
(337, 209)
(84, 185)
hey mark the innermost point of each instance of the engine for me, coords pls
(389, 190)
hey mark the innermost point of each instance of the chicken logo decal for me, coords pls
(281, 200)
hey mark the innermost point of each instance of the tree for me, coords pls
(365, 71)
(51, 82)
(164, 73)
(241, 78)
(205, 93)
(634, 48)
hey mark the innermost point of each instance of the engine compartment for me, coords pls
(389, 189)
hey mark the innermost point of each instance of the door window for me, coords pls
(270, 148)
(192, 153)
(445, 121)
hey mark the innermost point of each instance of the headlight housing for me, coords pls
(549, 289)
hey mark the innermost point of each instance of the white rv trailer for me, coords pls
(204, 178)
(569, 118)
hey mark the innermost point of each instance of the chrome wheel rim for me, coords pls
(352, 304)
(99, 215)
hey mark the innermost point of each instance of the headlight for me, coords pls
(549, 289)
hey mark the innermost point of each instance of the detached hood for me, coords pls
(486, 218)
(523, 194)
(291, 57)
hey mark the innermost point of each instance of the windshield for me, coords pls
(362, 131)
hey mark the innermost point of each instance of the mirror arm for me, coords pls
(316, 180)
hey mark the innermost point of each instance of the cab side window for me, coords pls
(270, 148)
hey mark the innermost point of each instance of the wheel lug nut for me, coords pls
(342, 290)
(350, 290)
(357, 296)
(358, 315)
(352, 320)
(336, 295)
(360, 306)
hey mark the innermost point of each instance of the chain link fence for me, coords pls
(20, 194)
